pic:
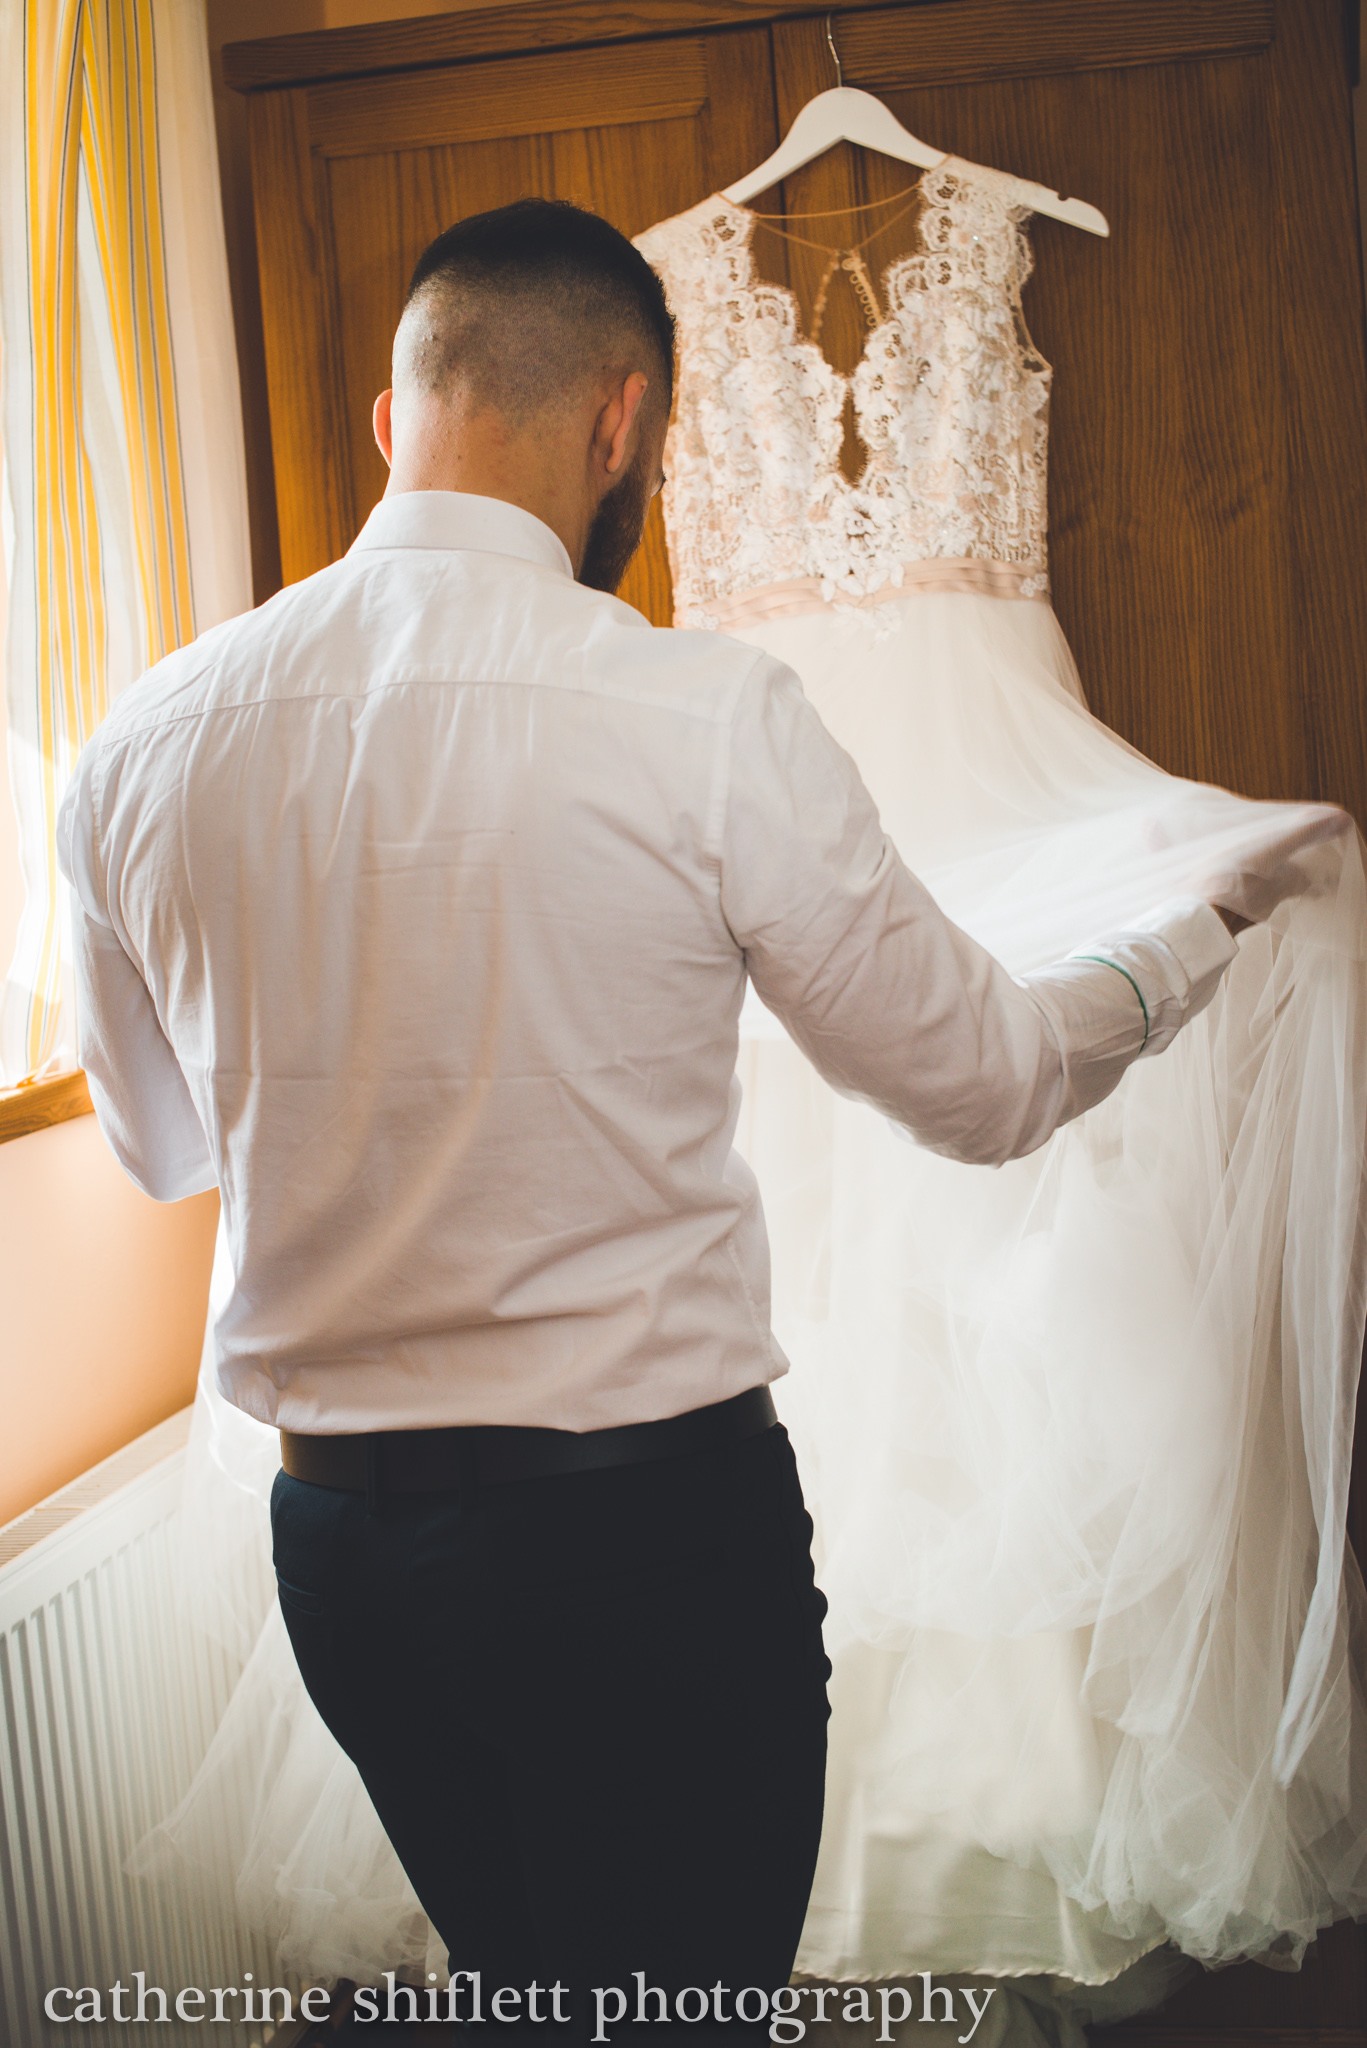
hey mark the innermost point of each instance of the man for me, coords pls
(415, 911)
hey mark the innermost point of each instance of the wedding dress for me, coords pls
(1075, 1431)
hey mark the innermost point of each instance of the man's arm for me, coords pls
(894, 1003)
(139, 1093)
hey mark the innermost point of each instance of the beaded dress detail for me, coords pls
(950, 396)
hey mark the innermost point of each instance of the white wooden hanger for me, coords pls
(845, 114)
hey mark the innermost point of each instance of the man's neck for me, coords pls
(478, 455)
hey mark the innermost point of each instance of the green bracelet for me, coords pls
(1102, 961)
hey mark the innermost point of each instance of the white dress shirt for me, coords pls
(415, 909)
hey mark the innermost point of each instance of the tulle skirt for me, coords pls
(1075, 1431)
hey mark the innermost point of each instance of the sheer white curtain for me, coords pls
(122, 423)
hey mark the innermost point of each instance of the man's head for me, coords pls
(534, 361)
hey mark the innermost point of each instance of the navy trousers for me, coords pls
(591, 1712)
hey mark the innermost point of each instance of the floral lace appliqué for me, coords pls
(950, 397)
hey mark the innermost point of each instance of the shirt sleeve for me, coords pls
(894, 1003)
(139, 1093)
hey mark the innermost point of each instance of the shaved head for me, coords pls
(534, 362)
(516, 309)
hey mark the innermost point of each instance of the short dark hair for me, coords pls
(523, 294)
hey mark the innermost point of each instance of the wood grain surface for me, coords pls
(1029, 34)
(347, 199)
(939, 43)
(533, 96)
(39, 1104)
(295, 250)
(1208, 462)
(1315, 306)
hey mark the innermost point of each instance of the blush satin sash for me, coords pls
(949, 572)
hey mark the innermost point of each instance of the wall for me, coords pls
(104, 1295)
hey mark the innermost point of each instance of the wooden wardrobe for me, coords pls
(1208, 454)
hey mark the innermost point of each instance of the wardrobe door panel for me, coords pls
(1169, 468)
(381, 164)
(532, 95)
(1208, 448)
(384, 209)
(312, 481)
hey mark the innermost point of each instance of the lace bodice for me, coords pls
(950, 398)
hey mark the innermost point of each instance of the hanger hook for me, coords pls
(830, 44)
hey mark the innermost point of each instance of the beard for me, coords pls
(616, 531)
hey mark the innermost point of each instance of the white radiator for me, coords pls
(105, 1711)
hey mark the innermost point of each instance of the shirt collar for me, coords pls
(460, 519)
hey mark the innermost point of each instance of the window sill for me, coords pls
(37, 1104)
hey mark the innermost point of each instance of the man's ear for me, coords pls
(382, 419)
(617, 419)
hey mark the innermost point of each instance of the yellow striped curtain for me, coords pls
(112, 278)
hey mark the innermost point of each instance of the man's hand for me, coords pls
(1252, 880)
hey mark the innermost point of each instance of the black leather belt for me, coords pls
(485, 1454)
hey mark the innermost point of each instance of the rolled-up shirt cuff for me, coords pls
(1174, 956)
